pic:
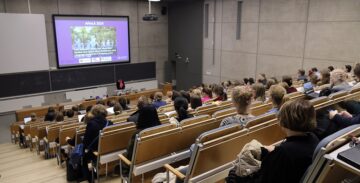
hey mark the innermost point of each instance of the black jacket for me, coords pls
(91, 136)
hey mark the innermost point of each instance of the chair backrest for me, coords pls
(53, 131)
(115, 140)
(321, 102)
(260, 119)
(166, 108)
(207, 109)
(338, 96)
(79, 134)
(267, 133)
(295, 95)
(66, 131)
(261, 109)
(34, 128)
(118, 126)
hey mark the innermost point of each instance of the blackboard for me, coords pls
(129, 72)
(81, 77)
(63, 79)
(24, 83)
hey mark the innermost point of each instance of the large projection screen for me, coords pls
(91, 40)
(23, 45)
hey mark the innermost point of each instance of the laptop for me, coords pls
(351, 156)
(27, 119)
(309, 90)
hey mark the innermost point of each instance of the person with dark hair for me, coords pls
(185, 94)
(100, 102)
(246, 81)
(302, 76)
(181, 106)
(158, 102)
(348, 68)
(314, 70)
(219, 93)
(175, 95)
(59, 117)
(117, 109)
(111, 103)
(357, 74)
(206, 95)
(330, 68)
(70, 113)
(91, 137)
(288, 161)
(142, 101)
(262, 79)
(195, 102)
(33, 117)
(76, 109)
(148, 117)
(288, 81)
(50, 115)
(251, 81)
(123, 103)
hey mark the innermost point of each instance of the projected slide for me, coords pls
(91, 40)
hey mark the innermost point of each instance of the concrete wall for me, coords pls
(280, 36)
(149, 40)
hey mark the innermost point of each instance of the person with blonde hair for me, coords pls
(338, 79)
(241, 97)
(277, 94)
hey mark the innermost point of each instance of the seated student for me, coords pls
(241, 97)
(158, 102)
(262, 79)
(259, 92)
(269, 83)
(70, 113)
(111, 103)
(251, 81)
(277, 93)
(59, 117)
(185, 94)
(175, 95)
(219, 93)
(338, 80)
(148, 117)
(246, 81)
(288, 81)
(181, 106)
(288, 161)
(195, 102)
(357, 74)
(33, 117)
(91, 136)
(142, 101)
(302, 76)
(123, 102)
(50, 115)
(76, 109)
(169, 96)
(118, 109)
(330, 68)
(316, 72)
(206, 95)
(348, 71)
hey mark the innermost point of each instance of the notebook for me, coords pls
(27, 119)
(351, 156)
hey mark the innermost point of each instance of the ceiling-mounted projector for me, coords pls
(151, 16)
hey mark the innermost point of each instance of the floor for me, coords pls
(22, 166)
(5, 121)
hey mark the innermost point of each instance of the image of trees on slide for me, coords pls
(89, 41)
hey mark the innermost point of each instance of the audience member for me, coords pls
(50, 115)
(277, 94)
(59, 117)
(206, 95)
(288, 161)
(262, 79)
(338, 80)
(76, 109)
(70, 113)
(117, 109)
(185, 94)
(181, 107)
(195, 102)
(357, 74)
(219, 93)
(288, 81)
(241, 97)
(175, 95)
(259, 92)
(330, 68)
(142, 101)
(91, 140)
(269, 83)
(123, 102)
(302, 76)
(316, 72)
(169, 96)
(158, 102)
(111, 103)
(33, 117)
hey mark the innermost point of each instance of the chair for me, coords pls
(321, 102)
(326, 146)
(260, 109)
(260, 119)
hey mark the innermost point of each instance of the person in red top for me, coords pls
(288, 80)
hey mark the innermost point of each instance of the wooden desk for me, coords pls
(39, 111)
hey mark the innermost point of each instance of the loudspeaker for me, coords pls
(164, 10)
